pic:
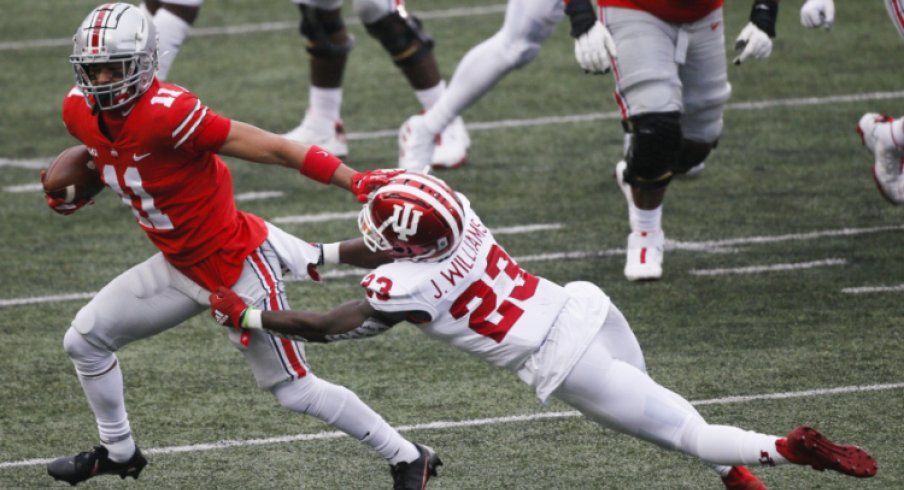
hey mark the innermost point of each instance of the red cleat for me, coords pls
(806, 446)
(740, 478)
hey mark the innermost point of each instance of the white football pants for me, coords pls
(610, 387)
(665, 67)
(154, 296)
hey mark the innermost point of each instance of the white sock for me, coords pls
(428, 97)
(645, 220)
(171, 32)
(325, 103)
(121, 451)
(722, 470)
(105, 395)
(731, 445)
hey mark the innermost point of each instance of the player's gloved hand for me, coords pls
(818, 13)
(227, 307)
(752, 43)
(60, 206)
(593, 45)
(363, 183)
(755, 40)
(595, 50)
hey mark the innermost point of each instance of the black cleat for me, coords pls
(82, 466)
(414, 475)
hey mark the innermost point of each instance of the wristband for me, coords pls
(319, 164)
(330, 253)
(763, 15)
(251, 318)
(582, 17)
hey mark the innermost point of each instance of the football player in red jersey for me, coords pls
(156, 146)
(453, 280)
(669, 62)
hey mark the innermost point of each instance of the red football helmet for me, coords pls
(415, 216)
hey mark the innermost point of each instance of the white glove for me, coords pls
(752, 42)
(818, 13)
(595, 49)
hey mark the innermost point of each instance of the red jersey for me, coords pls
(675, 11)
(161, 162)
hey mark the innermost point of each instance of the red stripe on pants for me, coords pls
(287, 345)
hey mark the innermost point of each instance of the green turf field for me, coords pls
(784, 273)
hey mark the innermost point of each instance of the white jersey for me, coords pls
(479, 299)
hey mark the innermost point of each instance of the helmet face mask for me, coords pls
(415, 217)
(120, 38)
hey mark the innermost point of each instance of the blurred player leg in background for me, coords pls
(173, 19)
(671, 86)
(411, 49)
(883, 135)
(526, 26)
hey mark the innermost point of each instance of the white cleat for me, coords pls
(416, 145)
(888, 167)
(451, 149)
(327, 134)
(644, 256)
(625, 187)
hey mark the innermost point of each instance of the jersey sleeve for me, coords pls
(392, 290)
(194, 127)
(73, 101)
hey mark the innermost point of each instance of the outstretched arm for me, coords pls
(357, 316)
(257, 145)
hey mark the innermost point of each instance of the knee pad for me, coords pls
(402, 37)
(692, 154)
(655, 146)
(88, 358)
(317, 26)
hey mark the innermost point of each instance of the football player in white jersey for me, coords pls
(328, 43)
(450, 277)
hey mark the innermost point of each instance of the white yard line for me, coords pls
(39, 163)
(451, 424)
(263, 27)
(756, 269)
(716, 246)
(874, 289)
(258, 196)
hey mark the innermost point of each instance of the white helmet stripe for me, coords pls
(440, 187)
(432, 201)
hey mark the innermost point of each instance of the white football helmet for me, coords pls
(115, 33)
(415, 216)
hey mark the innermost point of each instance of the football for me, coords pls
(72, 176)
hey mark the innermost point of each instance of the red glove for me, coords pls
(227, 308)
(60, 206)
(363, 183)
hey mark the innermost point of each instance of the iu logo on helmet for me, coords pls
(404, 220)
